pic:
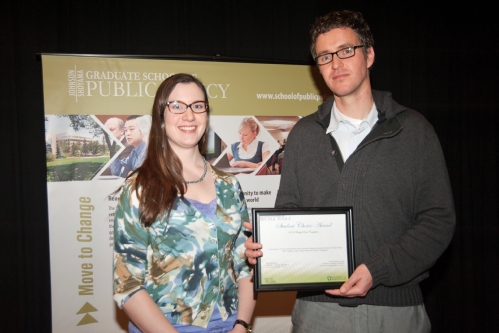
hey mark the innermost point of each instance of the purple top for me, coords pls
(209, 209)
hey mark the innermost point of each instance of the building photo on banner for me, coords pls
(97, 126)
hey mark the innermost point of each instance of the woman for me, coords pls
(179, 247)
(248, 153)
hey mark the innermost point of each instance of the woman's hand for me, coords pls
(243, 164)
(253, 250)
(247, 301)
(238, 329)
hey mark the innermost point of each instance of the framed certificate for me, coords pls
(303, 248)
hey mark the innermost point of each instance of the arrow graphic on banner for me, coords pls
(87, 319)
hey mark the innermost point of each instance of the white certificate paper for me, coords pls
(303, 249)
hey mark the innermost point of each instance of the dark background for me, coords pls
(438, 59)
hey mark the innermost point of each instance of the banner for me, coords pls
(88, 102)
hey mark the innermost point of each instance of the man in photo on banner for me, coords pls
(135, 136)
(362, 149)
(116, 127)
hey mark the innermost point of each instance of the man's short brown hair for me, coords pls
(342, 19)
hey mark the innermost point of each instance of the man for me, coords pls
(362, 149)
(117, 128)
(134, 137)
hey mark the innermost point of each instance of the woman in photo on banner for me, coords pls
(179, 263)
(248, 152)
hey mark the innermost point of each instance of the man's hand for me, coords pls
(357, 285)
(252, 249)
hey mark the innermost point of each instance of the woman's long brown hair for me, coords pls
(159, 179)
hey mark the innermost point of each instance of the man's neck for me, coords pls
(138, 144)
(357, 106)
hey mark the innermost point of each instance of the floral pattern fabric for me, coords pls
(187, 263)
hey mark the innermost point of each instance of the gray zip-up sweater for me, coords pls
(397, 183)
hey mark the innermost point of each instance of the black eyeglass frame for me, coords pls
(337, 54)
(207, 106)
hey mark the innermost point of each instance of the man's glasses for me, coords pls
(178, 107)
(345, 53)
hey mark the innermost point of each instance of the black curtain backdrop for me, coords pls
(438, 59)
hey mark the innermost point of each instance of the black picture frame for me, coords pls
(293, 230)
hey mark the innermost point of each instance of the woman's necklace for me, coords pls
(202, 177)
